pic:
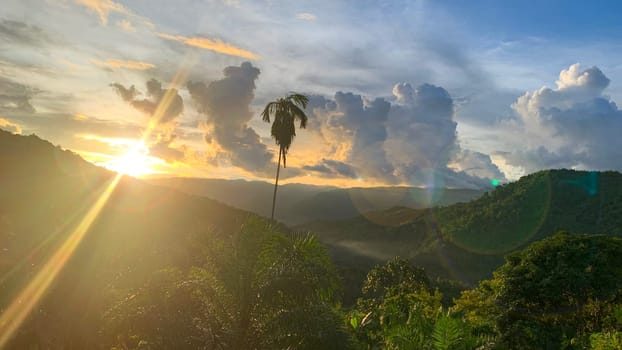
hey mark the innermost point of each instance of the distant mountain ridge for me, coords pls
(300, 203)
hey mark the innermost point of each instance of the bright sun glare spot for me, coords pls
(136, 162)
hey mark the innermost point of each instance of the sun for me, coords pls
(136, 162)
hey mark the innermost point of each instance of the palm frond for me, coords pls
(298, 99)
(447, 333)
(299, 114)
(270, 109)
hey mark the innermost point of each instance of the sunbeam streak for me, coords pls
(179, 78)
(15, 314)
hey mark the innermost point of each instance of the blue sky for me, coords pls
(429, 93)
(554, 19)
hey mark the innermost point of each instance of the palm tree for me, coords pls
(285, 111)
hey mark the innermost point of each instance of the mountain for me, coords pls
(467, 241)
(254, 196)
(297, 203)
(47, 194)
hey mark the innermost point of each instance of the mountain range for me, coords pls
(299, 203)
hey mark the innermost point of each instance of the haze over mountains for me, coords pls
(299, 203)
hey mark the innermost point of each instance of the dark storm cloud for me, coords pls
(225, 103)
(166, 102)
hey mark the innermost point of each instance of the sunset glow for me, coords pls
(272, 174)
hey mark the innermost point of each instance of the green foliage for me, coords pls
(553, 294)
(478, 307)
(399, 310)
(173, 310)
(501, 221)
(606, 341)
(395, 277)
(259, 289)
(447, 333)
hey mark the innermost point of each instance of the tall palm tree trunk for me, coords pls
(276, 183)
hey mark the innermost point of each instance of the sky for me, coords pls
(441, 93)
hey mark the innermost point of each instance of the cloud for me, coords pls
(21, 33)
(476, 164)
(114, 63)
(411, 140)
(305, 16)
(163, 149)
(162, 105)
(225, 103)
(356, 126)
(16, 103)
(591, 78)
(103, 8)
(574, 125)
(127, 94)
(10, 126)
(15, 97)
(232, 3)
(332, 168)
(126, 25)
(62, 127)
(534, 159)
(421, 129)
(215, 45)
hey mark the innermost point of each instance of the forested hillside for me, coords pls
(467, 241)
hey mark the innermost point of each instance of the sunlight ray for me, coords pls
(15, 314)
(180, 77)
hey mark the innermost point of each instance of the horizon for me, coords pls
(425, 94)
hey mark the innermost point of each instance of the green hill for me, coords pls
(467, 241)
